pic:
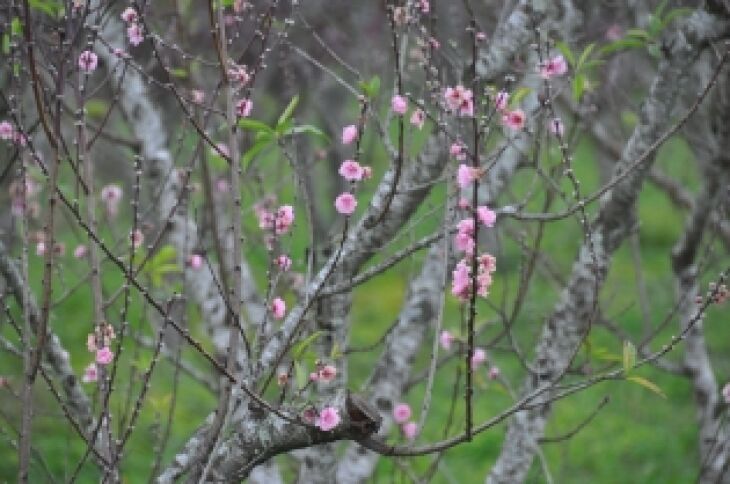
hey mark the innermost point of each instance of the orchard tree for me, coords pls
(275, 240)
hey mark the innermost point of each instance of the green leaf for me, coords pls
(96, 108)
(307, 129)
(579, 83)
(638, 34)
(584, 56)
(165, 255)
(287, 114)
(179, 72)
(254, 125)
(335, 353)
(629, 118)
(622, 44)
(300, 375)
(16, 27)
(629, 358)
(371, 88)
(567, 53)
(255, 150)
(647, 384)
(299, 348)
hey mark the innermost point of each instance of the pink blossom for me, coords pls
(136, 238)
(6, 130)
(514, 119)
(556, 127)
(239, 74)
(198, 96)
(464, 242)
(433, 43)
(346, 203)
(80, 251)
(328, 419)
(410, 430)
(111, 195)
(243, 108)
(91, 374)
(401, 412)
(466, 226)
(463, 203)
(284, 219)
(501, 100)
(553, 67)
(399, 104)
(445, 339)
(481, 36)
(460, 99)
(424, 6)
(40, 248)
(135, 34)
(283, 262)
(486, 216)
(461, 283)
(195, 261)
(726, 393)
(487, 263)
(493, 373)
(327, 373)
(20, 139)
(129, 15)
(314, 376)
(478, 357)
(104, 355)
(349, 134)
(418, 118)
(88, 61)
(458, 150)
(351, 170)
(466, 175)
(278, 307)
(367, 173)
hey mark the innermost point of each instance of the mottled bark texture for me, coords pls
(566, 327)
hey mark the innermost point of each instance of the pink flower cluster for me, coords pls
(513, 119)
(553, 67)
(461, 277)
(135, 33)
(459, 100)
(458, 150)
(280, 221)
(244, 108)
(349, 134)
(324, 373)
(88, 61)
(8, 133)
(401, 415)
(464, 239)
(98, 343)
(418, 118)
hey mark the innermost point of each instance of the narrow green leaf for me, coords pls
(300, 374)
(307, 129)
(629, 359)
(287, 114)
(579, 82)
(255, 150)
(299, 348)
(254, 125)
(518, 95)
(647, 384)
(586, 53)
(622, 44)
